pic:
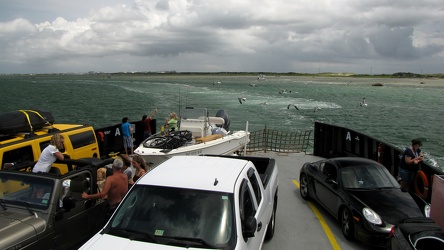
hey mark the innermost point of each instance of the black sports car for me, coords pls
(362, 195)
(416, 233)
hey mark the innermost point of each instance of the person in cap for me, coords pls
(115, 188)
(409, 164)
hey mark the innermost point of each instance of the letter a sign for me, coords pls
(348, 136)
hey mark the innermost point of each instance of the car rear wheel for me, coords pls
(304, 186)
(348, 229)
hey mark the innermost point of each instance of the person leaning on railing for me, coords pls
(409, 164)
(50, 154)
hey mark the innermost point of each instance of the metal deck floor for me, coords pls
(297, 226)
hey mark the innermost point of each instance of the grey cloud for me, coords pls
(162, 5)
(397, 43)
(221, 36)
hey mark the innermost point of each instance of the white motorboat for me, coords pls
(199, 133)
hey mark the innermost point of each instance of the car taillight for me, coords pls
(392, 232)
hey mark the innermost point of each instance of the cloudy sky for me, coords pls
(311, 36)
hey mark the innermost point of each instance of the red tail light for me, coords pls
(392, 232)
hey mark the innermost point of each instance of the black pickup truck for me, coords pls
(46, 210)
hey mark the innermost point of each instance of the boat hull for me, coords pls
(226, 145)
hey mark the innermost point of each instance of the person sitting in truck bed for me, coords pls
(50, 154)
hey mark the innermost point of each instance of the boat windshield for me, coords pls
(25, 190)
(181, 215)
(192, 113)
(367, 177)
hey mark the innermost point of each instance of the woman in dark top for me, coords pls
(140, 166)
(409, 164)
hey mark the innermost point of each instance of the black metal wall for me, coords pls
(112, 141)
(334, 141)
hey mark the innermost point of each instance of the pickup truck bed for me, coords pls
(265, 166)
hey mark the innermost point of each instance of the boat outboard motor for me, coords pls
(223, 114)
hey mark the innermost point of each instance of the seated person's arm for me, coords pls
(59, 156)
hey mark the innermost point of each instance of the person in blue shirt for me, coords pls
(127, 133)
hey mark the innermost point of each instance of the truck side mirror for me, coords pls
(249, 227)
(68, 203)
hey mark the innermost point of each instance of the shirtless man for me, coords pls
(114, 189)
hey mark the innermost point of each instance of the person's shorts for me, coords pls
(127, 142)
(407, 175)
(109, 210)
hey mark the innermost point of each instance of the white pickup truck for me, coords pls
(196, 202)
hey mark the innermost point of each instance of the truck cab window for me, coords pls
(246, 202)
(18, 156)
(82, 139)
(255, 184)
(73, 187)
(43, 145)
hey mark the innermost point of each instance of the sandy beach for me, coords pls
(420, 82)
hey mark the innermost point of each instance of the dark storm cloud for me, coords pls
(211, 35)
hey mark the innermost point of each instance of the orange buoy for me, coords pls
(421, 185)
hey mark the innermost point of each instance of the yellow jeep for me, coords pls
(19, 147)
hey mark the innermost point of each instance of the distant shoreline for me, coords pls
(420, 82)
(269, 74)
(350, 79)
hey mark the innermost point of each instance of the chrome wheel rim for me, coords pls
(346, 222)
(304, 186)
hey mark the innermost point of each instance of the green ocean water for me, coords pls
(398, 111)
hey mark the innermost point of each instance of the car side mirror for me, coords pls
(249, 228)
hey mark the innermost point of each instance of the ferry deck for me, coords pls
(301, 224)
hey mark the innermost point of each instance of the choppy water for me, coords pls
(396, 113)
